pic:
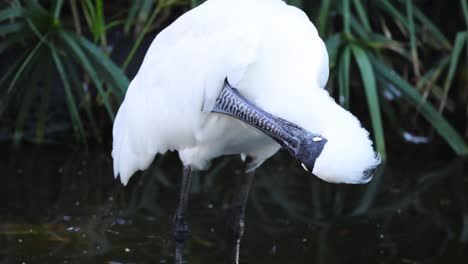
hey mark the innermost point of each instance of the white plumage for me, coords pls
(272, 54)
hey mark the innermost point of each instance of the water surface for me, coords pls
(62, 205)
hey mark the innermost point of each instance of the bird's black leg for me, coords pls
(180, 221)
(179, 252)
(236, 217)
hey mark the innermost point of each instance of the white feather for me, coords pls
(272, 54)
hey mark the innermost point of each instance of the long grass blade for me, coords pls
(333, 44)
(72, 107)
(84, 95)
(42, 113)
(464, 5)
(442, 126)
(460, 42)
(343, 79)
(346, 17)
(393, 12)
(357, 28)
(324, 14)
(15, 27)
(58, 8)
(29, 95)
(11, 12)
(361, 11)
(138, 41)
(23, 113)
(132, 14)
(107, 68)
(370, 89)
(412, 35)
(428, 81)
(23, 66)
(88, 67)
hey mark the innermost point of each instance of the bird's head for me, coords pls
(335, 158)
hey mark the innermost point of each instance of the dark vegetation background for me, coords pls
(65, 65)
(400, 65)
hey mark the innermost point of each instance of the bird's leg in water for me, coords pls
(180, 217)
(236, 217)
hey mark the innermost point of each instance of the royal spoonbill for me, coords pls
(238, 77)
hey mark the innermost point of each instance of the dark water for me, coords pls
(60, 205)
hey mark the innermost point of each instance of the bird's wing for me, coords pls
(183, 72)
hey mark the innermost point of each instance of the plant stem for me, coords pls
(140, 37)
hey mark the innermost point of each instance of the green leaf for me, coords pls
(333, 44)
(132, 14)
(464, 5)
(11, 28)
(442, 126)
(138, 41)
(29, 94)
(370, 89)
(412, 35)
(23, 66)
(429, 79)
(11, 12)
(393, 12)
(23, 113)
(457, 49)
(107, 67)
(346, 15)
(72, 108)
(84, 96)
(343, 78)
(58, 8)
(88, 67)
(324, 14)
(42, 112)
(362, 15)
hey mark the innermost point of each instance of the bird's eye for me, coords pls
(305, 168)
(317, 139)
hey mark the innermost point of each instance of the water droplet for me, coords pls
(127, 250)
(212, 230)
(304, 240)
(210, 206)
(20, 240)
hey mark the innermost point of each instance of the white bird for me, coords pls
(272, 54)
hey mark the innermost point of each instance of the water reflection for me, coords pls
(67, 208)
